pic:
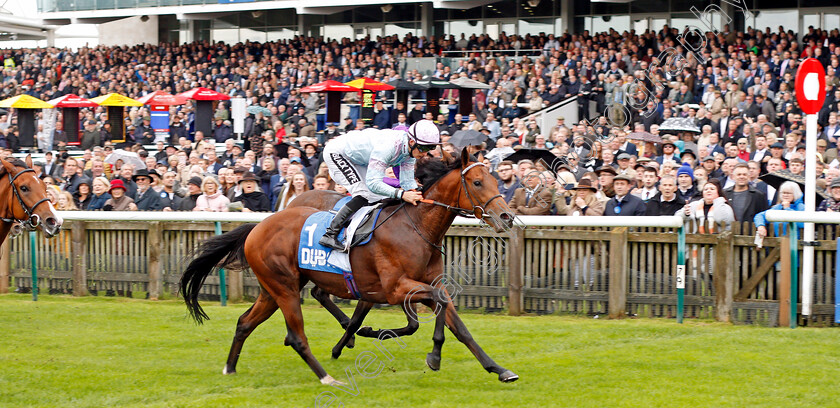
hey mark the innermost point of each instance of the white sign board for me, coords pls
(237, 113)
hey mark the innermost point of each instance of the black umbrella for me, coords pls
(549, 159)
(436, 83)
(469, 137)
(777, 178)
(403, 85)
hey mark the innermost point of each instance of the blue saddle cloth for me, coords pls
(312, 255)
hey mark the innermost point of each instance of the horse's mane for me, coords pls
(17, 162)
(430, 170)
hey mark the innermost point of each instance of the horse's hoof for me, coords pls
(433, 361)
(328, 380)
(366, 331)
(336, 353)
(352, 342)
(226, 372)
(508, 376)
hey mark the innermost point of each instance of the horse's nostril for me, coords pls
(50, 221)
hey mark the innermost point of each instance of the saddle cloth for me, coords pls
(312, 255)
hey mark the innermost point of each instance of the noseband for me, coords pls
(32, 220)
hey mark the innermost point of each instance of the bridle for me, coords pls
(32, 220)
(464, 212)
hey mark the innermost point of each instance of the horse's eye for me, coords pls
(24, 188)
(477, 183)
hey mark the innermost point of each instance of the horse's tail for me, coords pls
(216, 252)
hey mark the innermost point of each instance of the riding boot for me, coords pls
(341, 220)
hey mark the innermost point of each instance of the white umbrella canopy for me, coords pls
(127, 158)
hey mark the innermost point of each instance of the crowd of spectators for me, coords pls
(739, 94)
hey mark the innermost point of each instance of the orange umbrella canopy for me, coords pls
(369, 84)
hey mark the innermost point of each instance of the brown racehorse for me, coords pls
(325, 200)
(23, 200)
(396, 267)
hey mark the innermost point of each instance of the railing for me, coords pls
(553, 265)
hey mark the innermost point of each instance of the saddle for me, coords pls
(312, 255)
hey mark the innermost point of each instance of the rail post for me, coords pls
(222, 280)
(794, 272)
(724, 279)
(153, 240)
(5, 265)
(33, 257)
(515, 262)
(837, 284)
(78, 235)
(617, 303)
(680, 280)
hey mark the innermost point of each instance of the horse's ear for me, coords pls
(447, 158)
(465, 157)
(28, 161)
(7, 167)
(480, 157)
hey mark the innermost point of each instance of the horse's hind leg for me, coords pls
(289, 302)
(261, 310)
(324, 299)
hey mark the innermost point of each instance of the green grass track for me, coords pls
(115, 352)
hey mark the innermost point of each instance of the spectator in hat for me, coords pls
(668, 152)
(99, 187)
(832, 203)
(331, 131)
(606, 174)
(624, 203)
(686, 191)
(777, 150)
(90, 136)
(82, 197)
(126, 175)
(119, 201)
(211, 198)
(666, 201)
(144, 133)
(252, 199)
(584, 201)
(193, 192)
(221, 131)
(147, 199)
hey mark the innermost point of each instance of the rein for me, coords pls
(463, 212)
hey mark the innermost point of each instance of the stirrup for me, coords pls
(331, 241)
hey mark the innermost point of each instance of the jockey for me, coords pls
(358, 160)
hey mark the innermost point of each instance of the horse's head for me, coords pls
(478, 192)
(27, 200)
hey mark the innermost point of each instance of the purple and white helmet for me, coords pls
(424, 132)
